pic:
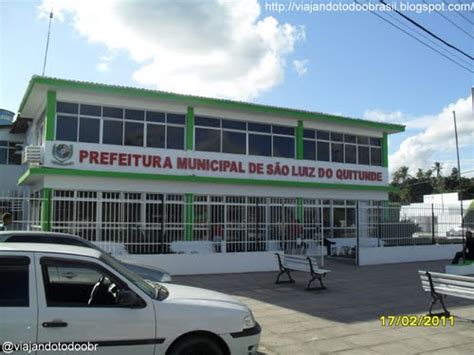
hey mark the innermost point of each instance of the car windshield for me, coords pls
(151, 289)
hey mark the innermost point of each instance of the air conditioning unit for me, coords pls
(32, 154)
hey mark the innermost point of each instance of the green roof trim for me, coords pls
(191, 100)
(198, 179)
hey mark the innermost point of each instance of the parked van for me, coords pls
(51, 293)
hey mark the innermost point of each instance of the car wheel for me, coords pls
(196, 345)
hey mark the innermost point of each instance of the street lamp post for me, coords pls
(459, 188)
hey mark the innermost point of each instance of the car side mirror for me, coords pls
(129, 299)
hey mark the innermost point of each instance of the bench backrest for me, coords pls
(447, 284)
(299, 262)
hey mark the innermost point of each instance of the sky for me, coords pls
(342, 62)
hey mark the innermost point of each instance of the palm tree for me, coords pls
(437, 167)
(401, 175)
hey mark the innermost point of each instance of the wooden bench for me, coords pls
(441, 285)
(286, 263)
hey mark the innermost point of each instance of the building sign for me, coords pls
(192, 163)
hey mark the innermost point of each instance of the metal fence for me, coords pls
(146, 223)
(155, 223)
(395, 225)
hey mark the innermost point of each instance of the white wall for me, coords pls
(390, 255)
(9, 174)
(216, 263)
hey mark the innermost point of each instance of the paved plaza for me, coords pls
(345, 318)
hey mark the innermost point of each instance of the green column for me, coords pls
(189, 215)
(46, 210)
(50, 115)
(190, 129)
(300, 209)
(299, 141)
(385, 150)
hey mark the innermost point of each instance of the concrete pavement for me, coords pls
(345, 318)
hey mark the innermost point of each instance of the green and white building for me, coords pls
(149, 168)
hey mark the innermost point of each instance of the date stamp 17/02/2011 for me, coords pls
(416, 321)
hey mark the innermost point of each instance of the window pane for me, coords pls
(234, 142)
(283, 147)
(89, 130)
(260, 144)
(337, 152)
(14, 290)
(375, 156)
(234, 125)
(258, 127)
(66, 107)
(3, 155)
(91, 110)
(375, 141)
(175, 137)
(134, 134)
(349, 138)
(363, 155)
(66, 129)
(155, 136)
(323, 151)
(309, 133)
(350, 214)
(208, 140)
(323, 135)
(155, 116)
(113, 112)
(207, 121)
(3, 144)
(113, 132)
(340, 217)
(137, 115)
(350, 154)
(13, 157)
(175, 118)
(309, 149)
(362, 140)
(289, 131)
(336, 137)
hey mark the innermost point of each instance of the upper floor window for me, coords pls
(238, 137)
(10, 153)
(119, 126)
(342, 148)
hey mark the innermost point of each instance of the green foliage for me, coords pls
(426, 182)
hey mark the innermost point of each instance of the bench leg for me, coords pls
(320, 279)
(284, 271)
(435, 298)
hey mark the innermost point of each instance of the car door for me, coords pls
(65, 285)
(18, 308)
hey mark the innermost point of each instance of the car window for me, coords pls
(14, 285)
(73, 283)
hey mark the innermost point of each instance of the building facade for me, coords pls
(115, 163)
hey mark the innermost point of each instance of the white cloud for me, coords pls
(205, 47)
(104, 63)
(437, 139)
(381, 116)
(301, 66)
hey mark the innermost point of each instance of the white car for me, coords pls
(61, 294)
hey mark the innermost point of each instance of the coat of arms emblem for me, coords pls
(62, 153)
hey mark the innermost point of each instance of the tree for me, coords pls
(401, 175)
(437, 168)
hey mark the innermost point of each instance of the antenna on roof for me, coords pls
(47, 41)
